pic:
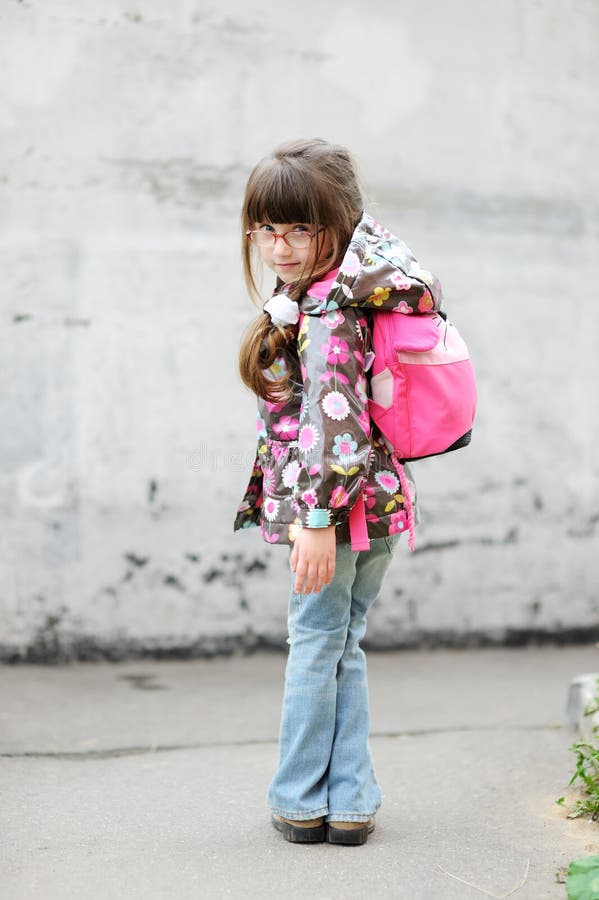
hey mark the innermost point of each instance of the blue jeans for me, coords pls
(325, 766)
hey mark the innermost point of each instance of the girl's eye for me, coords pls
(296, 229)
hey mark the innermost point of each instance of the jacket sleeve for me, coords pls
(333, 436)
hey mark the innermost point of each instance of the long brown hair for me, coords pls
(308, 181)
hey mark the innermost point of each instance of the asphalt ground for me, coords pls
(147, 779)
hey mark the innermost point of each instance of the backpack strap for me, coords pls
(357, 525)
(407, 499)
(358, 528)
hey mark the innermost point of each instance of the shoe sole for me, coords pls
(298, 835)
(349, 836)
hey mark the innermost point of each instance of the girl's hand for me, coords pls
(313, 559)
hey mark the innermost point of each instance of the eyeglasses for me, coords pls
(299, 240)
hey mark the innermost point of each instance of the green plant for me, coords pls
(587, 769)
(582, 882)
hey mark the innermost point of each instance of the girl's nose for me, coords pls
(281, 248)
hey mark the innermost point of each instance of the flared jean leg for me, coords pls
(354, 794)
(318, 626)
(325, 763)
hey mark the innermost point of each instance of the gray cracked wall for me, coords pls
(126, 133)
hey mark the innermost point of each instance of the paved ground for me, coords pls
(148, 779)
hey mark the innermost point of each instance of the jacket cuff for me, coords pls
(317, 518)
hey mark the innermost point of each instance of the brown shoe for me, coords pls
(305, 831)
(349, 832)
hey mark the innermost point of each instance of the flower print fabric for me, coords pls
(270, 508)
(343, 446)
(336, 350)
(318, 450)
(333, 361)
(388, 481)
(308, 438)
(286, 428)
(335, 405)
(291, 473)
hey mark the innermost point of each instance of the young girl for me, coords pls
(306, 358)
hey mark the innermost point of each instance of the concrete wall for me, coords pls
(127, 130)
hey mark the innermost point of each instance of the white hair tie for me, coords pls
(282, 310)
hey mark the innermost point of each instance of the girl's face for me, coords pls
(289, 263)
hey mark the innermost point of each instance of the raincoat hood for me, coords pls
(378, 271)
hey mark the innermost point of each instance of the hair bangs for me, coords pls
(281, 193)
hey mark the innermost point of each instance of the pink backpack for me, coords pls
(424, 396)
(422, 384)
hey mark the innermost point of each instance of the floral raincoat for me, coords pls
(319, 450)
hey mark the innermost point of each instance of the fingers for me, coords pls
(310, 578)
(293, 558)
(313, 559)
(330, 570)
